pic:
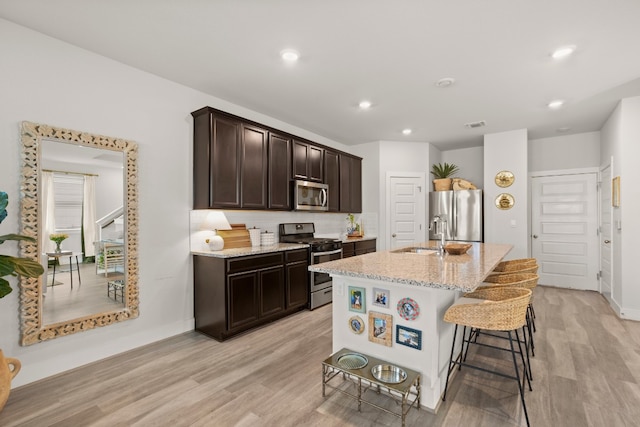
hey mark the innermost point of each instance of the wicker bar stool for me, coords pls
(521, 280)
(514, 265)
(500, 308)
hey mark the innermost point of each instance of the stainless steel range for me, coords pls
(322, 250)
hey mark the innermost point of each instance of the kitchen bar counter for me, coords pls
(431, 283)
(454, 272)
(251, 250)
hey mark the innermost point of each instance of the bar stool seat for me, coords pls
(499, 309)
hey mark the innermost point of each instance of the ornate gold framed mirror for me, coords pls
(35, 293)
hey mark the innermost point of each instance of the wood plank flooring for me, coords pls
(586, 373)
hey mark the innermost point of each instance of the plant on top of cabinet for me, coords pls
(443, 174)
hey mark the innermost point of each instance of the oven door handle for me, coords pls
(317, 254)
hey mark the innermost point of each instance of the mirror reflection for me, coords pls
(82, 230)
(79, 201)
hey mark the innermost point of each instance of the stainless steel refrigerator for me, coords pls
(463, 212)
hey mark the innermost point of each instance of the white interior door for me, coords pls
(564, 230)
(406, 210)
(605, 232)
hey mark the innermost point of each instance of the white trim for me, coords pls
(577, 171)
(385, 243)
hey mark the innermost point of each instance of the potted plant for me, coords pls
(443, 174)
(14, 266)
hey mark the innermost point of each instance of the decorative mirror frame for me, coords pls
(31, 296)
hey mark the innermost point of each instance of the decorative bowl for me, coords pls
(457, 248)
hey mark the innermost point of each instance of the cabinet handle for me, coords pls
(327, 291)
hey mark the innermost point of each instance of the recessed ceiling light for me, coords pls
(290, 55)
(555, 104)
(364, 105)
(406, 131)
(446, 82)
(563, 52)
(563, 129)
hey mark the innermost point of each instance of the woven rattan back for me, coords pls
(521, 280)
(501, 308)
(515, 265)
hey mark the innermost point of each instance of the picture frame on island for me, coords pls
(381, 297)
(357, 299)
(409, 337)
(381, 328)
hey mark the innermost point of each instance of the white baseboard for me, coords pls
(629, 314)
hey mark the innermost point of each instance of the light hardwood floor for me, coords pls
(586, 373)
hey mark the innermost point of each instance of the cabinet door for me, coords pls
(365, 247)
(297, 284)
(243, 299)
(315, 163)
(350, 184)
(348, 249)
(307, 162)
(279, 166)
(271, 290)
(332, 179)
(254, 167)
(225, 157)
(300, 156)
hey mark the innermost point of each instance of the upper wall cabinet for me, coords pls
(279, 171)
(332, 178)
(239, 164)
(307, 161)
(216, 160)
(350, 184)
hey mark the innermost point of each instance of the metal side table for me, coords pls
(406, 392)
(57, 256)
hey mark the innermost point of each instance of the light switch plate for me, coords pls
(339, 289)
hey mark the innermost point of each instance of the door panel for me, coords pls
(406, 211)
(564, 230)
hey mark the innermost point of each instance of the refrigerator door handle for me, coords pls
(454, 218)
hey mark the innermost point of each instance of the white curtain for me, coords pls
(48, 207)
(89, 215)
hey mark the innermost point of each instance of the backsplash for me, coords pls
(327, 224)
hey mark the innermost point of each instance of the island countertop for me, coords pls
(454, 272)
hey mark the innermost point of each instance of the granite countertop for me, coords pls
(454, 272)
(251, 250)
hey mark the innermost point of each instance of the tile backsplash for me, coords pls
(327, 224)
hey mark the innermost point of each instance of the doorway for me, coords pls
(605, 232)
(564, 228)
(405, 209)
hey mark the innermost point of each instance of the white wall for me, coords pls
(507, 151)
(400, 157)
(581, 150)
(470, 161)
(620, 136)
(47, 81)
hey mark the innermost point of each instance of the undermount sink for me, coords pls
(416, 250)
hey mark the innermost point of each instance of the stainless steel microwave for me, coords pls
(310, 196)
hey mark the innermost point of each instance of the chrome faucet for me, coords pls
(439, 227)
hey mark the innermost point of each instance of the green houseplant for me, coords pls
(14, 266)
(443, 174)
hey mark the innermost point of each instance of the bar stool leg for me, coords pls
(520, 386)
(451, 363)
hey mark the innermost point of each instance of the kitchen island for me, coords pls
(376, 293)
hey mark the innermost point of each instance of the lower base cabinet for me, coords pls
(359, 247)
(232, 295)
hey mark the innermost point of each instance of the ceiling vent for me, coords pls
(473, 125)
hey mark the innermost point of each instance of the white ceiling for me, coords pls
(389, 52)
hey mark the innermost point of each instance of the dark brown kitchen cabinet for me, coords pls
(253, 162)
(359, 247)
(307, 161)
(216, 162)
(332, 179)
(350, 184)
(232, 295)
(279, 171)
(297, 264)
